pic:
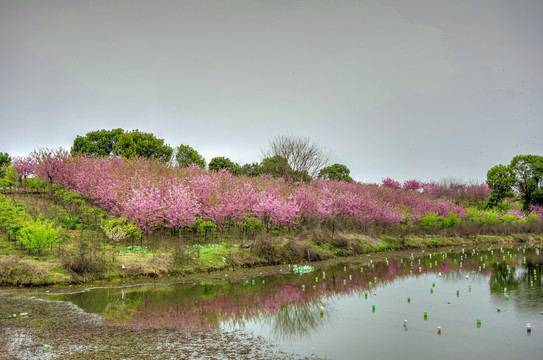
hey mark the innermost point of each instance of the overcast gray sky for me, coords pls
(403, 89)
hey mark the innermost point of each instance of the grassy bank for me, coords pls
(83, 253)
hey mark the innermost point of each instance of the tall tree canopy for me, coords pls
(336, 172)
(251, 170)
(186, 155)
(139, 144)
(219, 162)
(96, 143)
(5, 161)
(500, 179)
(276, 166)
(529, 178)
(301, 153)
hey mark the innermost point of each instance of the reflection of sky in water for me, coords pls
(286, 308)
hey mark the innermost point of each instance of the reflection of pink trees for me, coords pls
(208, 306)
(153, 195)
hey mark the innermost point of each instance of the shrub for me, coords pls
(204, 227)
(451, 220)
(38, 235)
(431, 220)
(490, 217)
(509, 219)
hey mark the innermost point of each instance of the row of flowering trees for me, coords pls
(153, 195)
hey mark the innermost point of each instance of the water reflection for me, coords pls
(289, 304)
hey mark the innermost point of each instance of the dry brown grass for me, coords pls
(15, 271)
(147, 265)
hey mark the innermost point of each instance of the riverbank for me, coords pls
(216, 259)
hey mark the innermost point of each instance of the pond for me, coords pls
(482, 300)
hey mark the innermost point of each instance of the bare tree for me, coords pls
(302, 154)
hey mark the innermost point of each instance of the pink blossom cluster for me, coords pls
(153, 195)
(24, 166)
(452, 191)
(538, 210)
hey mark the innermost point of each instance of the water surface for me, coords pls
(360, 319)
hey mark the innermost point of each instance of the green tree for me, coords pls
(529, 178)
(500, 179)
(10, 179)
(139, 144)
(277, 166)
(218, 163)
(186, 155)
(338, 172)
(12, 217)
(39, 234)
(96, 143)
(251, 170)
(5, 162)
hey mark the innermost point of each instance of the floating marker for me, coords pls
(373, 308)
(322, 311)
(409, 300)
(370, 284)
(506, 297)
(434, 284)
(478, 322)
(431, 290)
(499, 310)
(405, 323)
(425, 315)
(528, 327)
(344, 282)
(457, 293)
(439, 330)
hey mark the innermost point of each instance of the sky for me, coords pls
(423, 89)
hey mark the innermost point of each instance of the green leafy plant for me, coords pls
(118, 229)
(204, 227)
(38, 235)
(451, 220)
